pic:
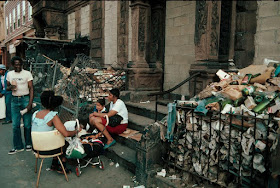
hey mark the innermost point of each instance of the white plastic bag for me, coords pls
(75, 149)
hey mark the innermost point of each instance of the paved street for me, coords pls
(18, 170)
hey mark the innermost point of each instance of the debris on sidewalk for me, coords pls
(162, 173)
(226, 127)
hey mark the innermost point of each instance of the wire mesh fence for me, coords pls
(82, 83)
(224, 148)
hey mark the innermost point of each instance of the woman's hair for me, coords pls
(50, 101)
(101, 101)
(16, 58)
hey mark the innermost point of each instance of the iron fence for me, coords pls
(223, 148)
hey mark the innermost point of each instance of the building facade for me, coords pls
(18, 23)
(2, 28)
(161, 43)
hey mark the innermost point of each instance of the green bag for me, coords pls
(75, 154)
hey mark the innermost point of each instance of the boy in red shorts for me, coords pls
(117, 106)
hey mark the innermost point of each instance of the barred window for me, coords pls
(18, 15)
(14, 18)
(23, 12)
(7, 25)
(29, 11)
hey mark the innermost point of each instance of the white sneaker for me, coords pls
(28, 148)
(14, 151)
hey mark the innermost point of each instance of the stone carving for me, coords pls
(142, 28)
(123, 33)
(155, 36)
(201, 20)
(214, 38)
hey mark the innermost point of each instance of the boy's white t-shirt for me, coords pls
(120, 107)
(22, 78)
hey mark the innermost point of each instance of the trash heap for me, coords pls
(88, 84)
(232, 127)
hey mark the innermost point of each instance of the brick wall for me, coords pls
(179, 43)
(2, 22)
(110, 32)
(267, 37)
(9, 6)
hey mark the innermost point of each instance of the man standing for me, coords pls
(20, 82)
(7, 94)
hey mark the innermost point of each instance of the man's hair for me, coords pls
(50, 101)
(115, 92)
(16, 58)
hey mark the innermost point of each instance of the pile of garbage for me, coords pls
(234, 127)
(88, 84)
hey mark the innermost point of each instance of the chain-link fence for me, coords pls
(81, 84)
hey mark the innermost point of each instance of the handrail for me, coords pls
(175, 87)
(172, 89)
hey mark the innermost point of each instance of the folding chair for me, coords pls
(47, 141)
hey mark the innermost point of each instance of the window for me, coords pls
(14, 18)
(29, 11)
(7, 25)
(10, 22)
(23, 12)
(18, 15)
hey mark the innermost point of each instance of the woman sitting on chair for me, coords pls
(47, 119)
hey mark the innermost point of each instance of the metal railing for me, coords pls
(157, 94)
(223, 145)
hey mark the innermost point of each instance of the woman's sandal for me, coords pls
(60, 170)
(53, 167)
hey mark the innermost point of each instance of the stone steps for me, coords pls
(125, 156)
(138, 122)
(147, 109)
(128, 148)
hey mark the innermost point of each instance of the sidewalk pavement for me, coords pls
(17, 171)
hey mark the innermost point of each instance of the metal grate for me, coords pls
(217, 146)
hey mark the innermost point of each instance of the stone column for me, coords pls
(141, 77)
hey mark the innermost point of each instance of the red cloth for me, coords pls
(119, 129)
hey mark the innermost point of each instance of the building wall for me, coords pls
(267, 37)
(179, 43)
(71, 26)
(110, 32)
(85, 20)
(129, 34)
(2, 22)
(9, 7)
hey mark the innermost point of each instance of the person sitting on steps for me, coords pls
(117, 106)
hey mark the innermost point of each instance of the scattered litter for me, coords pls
(122, 153)
(195, 185)
(173, 177)
(140, 186)
(145, 102)
(111, 163)
(162, 173)
(117, 165)
(126, 186)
